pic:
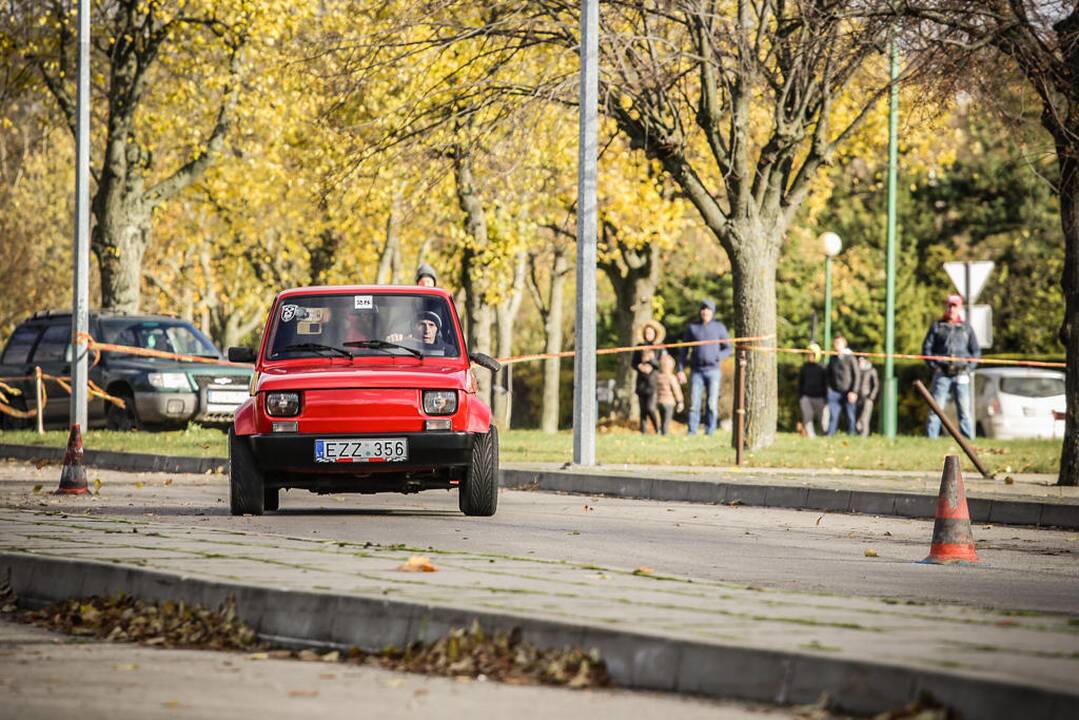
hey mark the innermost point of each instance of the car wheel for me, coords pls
(271, 499)
(247, 495)
(478, 494)
(123, 419)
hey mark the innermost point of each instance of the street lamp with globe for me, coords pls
(832, 245)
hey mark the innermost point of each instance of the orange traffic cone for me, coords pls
(952, 539)
(73, 476)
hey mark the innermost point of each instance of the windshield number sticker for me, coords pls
(363, 302)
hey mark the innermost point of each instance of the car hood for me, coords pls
(329, 377)
(137, 364)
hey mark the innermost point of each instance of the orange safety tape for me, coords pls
(912, 356)
(514, 359)
(9, 390)
(146, 352)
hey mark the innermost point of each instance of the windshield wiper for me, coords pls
(383, 345)
(314, 347)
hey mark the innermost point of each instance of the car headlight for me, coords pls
(283, 404)
(440, 402)
(169, 381)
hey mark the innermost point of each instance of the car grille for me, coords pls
(224, 382)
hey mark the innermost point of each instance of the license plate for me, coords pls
(227, 397)
(359, 451)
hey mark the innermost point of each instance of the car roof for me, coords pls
(1020, 372)
(45, 315)
(368, 289)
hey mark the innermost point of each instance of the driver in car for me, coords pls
(426, 333)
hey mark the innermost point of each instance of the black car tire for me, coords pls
(247, 493)
(122, 419)
(478, 494)
(271, 499)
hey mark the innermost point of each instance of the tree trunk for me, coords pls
(505, 317)
(552, 329)
(634, 281)
(480, 314)
(388, 259)
(1068, 158)
(119, 240)
(754, 263)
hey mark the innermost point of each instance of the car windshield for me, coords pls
(173, 337)
(1033, 387)
(363, 325)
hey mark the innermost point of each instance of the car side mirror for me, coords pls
(485, 361)
(241, 355)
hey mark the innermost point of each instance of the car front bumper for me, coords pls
(166, 407)
(295, 453)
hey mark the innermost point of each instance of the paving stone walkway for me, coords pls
(1036, 650)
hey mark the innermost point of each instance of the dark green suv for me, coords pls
(158, 393)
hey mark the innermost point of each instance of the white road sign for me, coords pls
(979, 273)
(981, 321)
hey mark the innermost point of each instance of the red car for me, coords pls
(363, 389)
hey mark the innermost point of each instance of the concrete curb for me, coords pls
(123, 461)
(866, 502)
(716, 492)
(634, 660)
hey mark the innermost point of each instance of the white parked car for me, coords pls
(1014, 403)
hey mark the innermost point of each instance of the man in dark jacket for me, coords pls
(704, 361)
(842, 386)
(951, 337)
(812, 390)
(868, 389)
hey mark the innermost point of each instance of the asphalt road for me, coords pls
(44, 675)
(1023, 569)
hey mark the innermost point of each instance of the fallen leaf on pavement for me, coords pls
(418, 563)
(303, 693)
(168, 481)
(258, 656)
(819, 519)
(139, 484)
(41, 463)
(735, 503)
(1009, 480)
(643, 570)
(171, 704)
(97, 485)
(308, 656)
(332, 656)
(36, 489)
(125, 666)
(870, 552)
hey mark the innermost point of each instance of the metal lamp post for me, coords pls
(832, 245)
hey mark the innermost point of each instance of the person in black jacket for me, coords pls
(842, 386)
(868, 389)
(646, 363)
(812, 391)
(951, 337)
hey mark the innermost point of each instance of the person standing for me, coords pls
(646, 364)
(668, 392)
(812, 391)
(868, 389)
(704, 364)
(426, 276)
(951, 337)
(842, 386)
